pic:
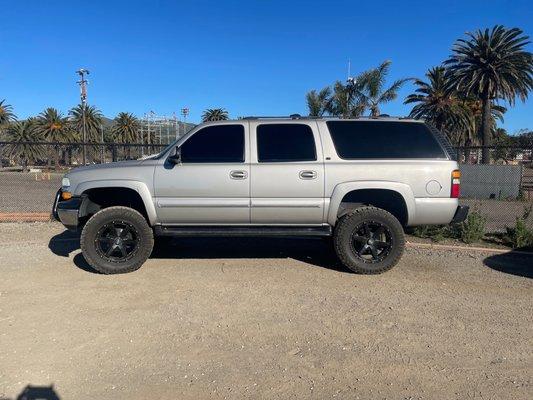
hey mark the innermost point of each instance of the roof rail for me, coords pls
(327, 117)
(292, 116)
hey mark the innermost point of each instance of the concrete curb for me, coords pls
(25, 217)
(466, 248)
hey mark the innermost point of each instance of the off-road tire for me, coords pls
(344, 230)
(108, 215)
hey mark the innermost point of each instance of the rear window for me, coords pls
(383, 139)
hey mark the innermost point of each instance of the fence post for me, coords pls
(113, 152)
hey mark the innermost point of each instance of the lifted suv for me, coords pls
(360, 181)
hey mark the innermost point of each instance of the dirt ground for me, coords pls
(269, 318)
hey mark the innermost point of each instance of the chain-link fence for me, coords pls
(500, 191)
(30, 174)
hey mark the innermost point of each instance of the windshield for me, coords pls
(162, 153)
(172, 144)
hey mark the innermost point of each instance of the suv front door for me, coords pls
(287, 172)
(211, 185)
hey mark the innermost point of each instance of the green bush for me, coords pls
(436, 233)
(473, 228)
(470, 231)
(520, 235)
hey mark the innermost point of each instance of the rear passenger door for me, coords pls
(287, 173)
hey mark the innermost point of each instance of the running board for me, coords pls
(172, 230)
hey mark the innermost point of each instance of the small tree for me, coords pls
(126, 129)
(370, 88)
(20, 133)
(214, 114)
(6, 113)
(319, 103)
(53, 127)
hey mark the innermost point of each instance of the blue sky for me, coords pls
(250, 57)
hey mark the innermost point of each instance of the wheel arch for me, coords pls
(397, 198)
(131, 194)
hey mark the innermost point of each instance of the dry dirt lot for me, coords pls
(269, 318)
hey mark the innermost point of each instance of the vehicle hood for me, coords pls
(111, 165)
(134, 170)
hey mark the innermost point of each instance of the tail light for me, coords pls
(456, 184)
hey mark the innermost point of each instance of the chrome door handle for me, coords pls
(238, 174)
(308, 174)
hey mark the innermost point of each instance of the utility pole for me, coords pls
(350, 86)
(176, 125)
(184, 112)
(83, 96)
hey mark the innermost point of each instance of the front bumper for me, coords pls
(67, 211)
(460, 214)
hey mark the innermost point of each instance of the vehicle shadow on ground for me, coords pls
(514, 263)
(314, 251)
(32, 392)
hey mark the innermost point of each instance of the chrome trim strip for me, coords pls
(287, 203)
(203, 203)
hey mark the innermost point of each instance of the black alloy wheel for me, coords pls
(117, 241)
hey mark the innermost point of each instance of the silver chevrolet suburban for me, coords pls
(359, 181)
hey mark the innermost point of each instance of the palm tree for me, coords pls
(93, 126)
(21, 133)
(437, 102)
(370, 90)
(319, 103)
(53, 127)
(343, 102)
(6, 113)
(93, 122)
(126, 129)
(491, 65)
(214, 114)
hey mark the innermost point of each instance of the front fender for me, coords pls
(344, 188)
(139, 187)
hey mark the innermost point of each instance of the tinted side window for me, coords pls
(285, 142)
(383, 139)
(215, 144)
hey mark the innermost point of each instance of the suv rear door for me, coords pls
(287, 173)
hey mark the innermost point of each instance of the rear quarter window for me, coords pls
(383, 139)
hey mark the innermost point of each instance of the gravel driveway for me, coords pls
(268, 318)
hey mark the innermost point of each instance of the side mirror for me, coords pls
(176, 157)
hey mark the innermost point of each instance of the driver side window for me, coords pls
(215, 144)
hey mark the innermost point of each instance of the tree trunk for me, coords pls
(486, 126)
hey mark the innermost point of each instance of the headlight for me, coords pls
(65, 182)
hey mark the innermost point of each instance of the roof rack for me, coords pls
(292, 116)
(328, 117)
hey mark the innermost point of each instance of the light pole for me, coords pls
(184, 112)
(83, 96)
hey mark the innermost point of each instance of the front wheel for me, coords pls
(369, 240)
(116, 240)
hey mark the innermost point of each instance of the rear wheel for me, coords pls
(369, 240)
(116, 240)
